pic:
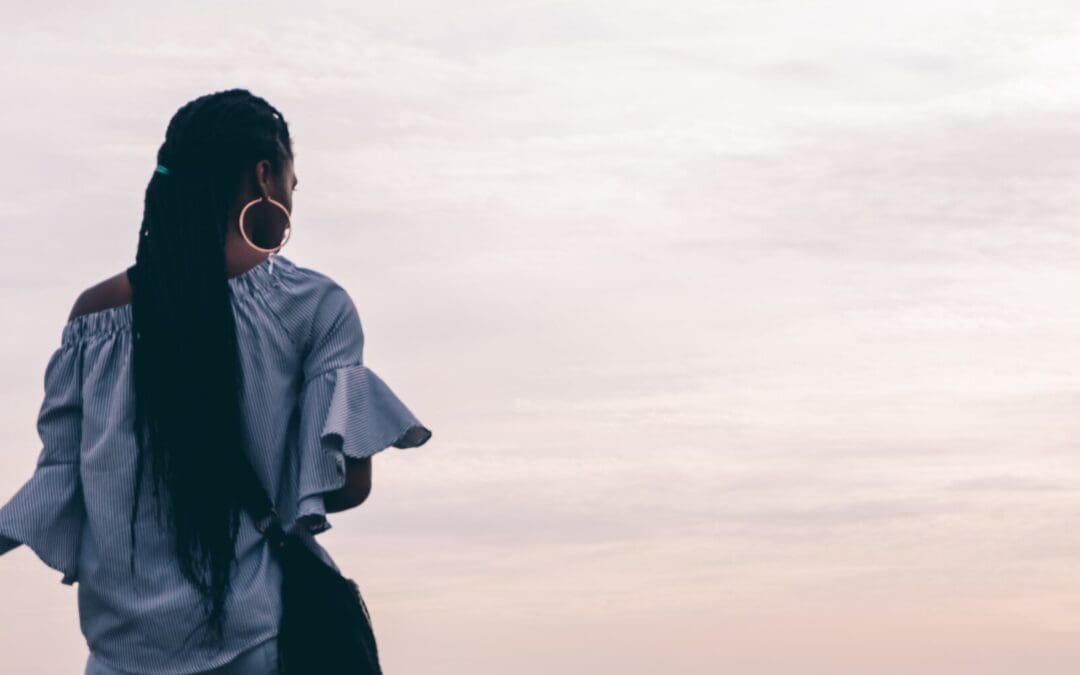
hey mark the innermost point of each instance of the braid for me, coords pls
(186, 362)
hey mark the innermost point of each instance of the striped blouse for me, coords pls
(309, 401)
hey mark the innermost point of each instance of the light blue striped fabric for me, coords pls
(309, 401)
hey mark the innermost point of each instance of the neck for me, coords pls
(239, 256)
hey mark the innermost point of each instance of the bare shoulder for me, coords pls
(112, 292)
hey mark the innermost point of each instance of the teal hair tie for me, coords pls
(162, 170)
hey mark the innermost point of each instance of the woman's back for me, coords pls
(308, 402)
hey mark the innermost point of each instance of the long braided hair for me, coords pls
(186, 363)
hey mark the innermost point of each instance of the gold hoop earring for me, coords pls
(285, 235)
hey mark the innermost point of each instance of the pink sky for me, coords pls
(747, 330)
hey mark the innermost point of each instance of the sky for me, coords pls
(746, 330)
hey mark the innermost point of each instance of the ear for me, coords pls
(264, 177)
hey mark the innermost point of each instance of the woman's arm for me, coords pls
(356, 489)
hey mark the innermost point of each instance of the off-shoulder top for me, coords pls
(309, 402)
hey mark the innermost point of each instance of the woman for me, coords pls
(207, 347)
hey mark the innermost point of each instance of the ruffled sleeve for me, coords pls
(47, 513)
(346, 409)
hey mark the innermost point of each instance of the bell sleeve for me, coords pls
(346, 409)
(47, 513)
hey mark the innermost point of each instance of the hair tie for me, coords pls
(162, 170)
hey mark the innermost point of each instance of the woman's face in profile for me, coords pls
(265, 225)
(289, 182)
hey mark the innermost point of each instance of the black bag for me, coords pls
(325, 626)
